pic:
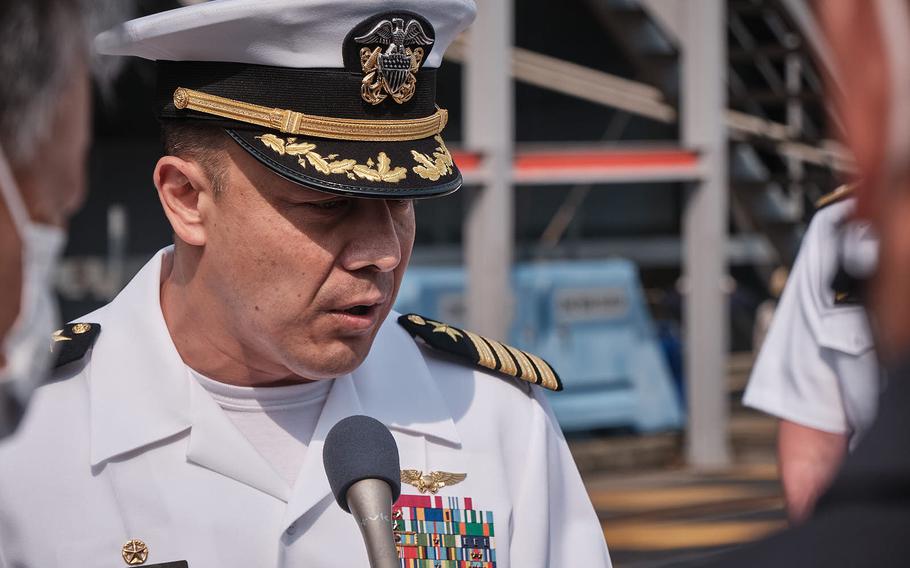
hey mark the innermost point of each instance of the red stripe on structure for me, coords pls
(466, 160)
(613, 159)
(583, 159)
(468, 503)
(414, 501)
(437, 502)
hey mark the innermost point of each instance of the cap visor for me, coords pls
(412, 169)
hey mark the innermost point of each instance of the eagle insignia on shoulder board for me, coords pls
(482, 351)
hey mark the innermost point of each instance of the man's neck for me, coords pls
(199, 330)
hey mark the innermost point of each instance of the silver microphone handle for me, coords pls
(370, 501)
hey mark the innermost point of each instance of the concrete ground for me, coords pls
(658, 513)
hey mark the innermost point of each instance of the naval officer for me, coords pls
(817, 370)
(862, 520)
(187, 424)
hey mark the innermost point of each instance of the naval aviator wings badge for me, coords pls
(432, 481)
(390, 68)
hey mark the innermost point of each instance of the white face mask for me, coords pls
(27, 346)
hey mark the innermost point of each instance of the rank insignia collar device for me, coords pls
(73, 341)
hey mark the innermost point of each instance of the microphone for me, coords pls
(361, 462)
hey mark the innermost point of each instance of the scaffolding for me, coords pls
(711, 127)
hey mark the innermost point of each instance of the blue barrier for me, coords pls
(590, 321)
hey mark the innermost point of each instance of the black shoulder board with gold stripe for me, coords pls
(836, 196)
(481, 351)
(73, 341)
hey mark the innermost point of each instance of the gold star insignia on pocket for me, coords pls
(134, 552)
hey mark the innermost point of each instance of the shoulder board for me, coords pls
(836, 196)
(481, 351)
(73, 341)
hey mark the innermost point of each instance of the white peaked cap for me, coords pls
(283, 33)
(338, 96)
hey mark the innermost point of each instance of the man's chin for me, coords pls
(332, 361)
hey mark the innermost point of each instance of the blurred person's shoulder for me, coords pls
(834, 207)
(48, 458)
(56, 425)
(820, 246)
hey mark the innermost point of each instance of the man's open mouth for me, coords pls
(361, 310)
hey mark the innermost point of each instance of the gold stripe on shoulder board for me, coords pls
(483, 351)
(506, 363)
(548, 379)
(838, 194)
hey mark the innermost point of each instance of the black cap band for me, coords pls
(323, 92)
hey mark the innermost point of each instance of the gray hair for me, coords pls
(40, 43)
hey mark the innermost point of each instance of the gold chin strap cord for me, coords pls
(291, 122)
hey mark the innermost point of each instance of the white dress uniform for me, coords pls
(127, 445)
(817, 366)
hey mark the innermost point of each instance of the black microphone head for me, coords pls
(358, 448)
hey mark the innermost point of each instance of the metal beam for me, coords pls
(705, 314)
(488, 229)
(643, 100)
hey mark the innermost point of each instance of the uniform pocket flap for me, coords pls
(846, 329)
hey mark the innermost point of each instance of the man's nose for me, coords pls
(375, 242)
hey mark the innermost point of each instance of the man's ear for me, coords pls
(185, 191)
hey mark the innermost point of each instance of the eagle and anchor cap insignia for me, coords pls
(392, 72)
(400, 45)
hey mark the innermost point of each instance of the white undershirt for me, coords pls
(277, 421)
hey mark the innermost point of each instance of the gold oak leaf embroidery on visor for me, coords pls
(433, 168)
(305, 152)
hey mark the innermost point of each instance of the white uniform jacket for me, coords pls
(127, 446)
(817, 366)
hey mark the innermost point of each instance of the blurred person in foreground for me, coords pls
(817, 370)
(195, 406)
(44, 137)
(863, 519)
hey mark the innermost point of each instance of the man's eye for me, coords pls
(328, 205)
